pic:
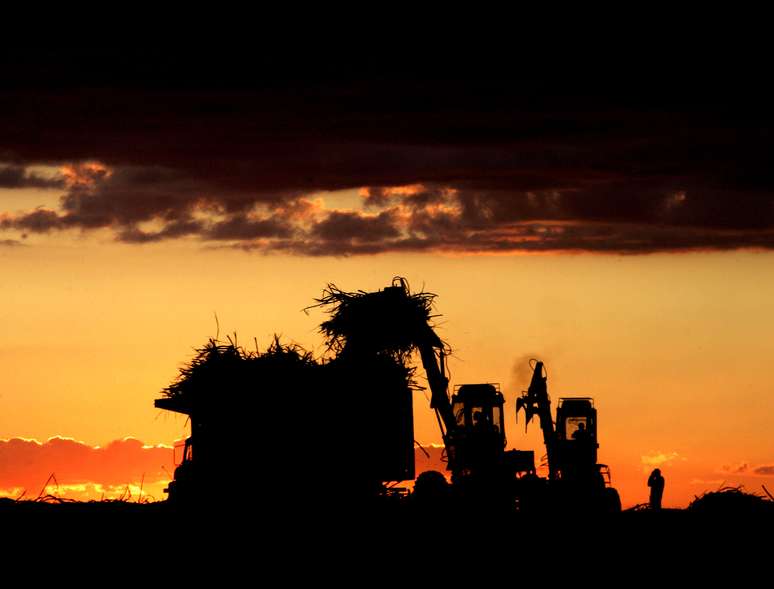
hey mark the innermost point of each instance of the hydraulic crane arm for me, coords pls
(437, 380)
(536, 402)
(431, 351)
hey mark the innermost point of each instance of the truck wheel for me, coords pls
(612, 501)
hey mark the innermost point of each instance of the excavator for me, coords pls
(575, 479)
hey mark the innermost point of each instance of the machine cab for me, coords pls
(576, 432)
(576, 419)
(478, 408)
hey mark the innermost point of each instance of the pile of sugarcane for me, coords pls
(382, 325)
(732, 501)
(388, 321)
(226, 366)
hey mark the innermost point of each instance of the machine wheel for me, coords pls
(612, 501)
(431, 489)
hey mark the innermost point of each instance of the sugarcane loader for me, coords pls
(473, 429)
(575, 478)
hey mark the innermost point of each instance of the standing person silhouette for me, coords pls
(656, 484)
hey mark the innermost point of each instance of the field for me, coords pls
(139, 542)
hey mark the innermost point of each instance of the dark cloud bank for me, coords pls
(648, 156)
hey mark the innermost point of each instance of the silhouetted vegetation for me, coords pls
(732, 501)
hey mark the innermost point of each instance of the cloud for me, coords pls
(741, 468)
(27, 464)
(746, 469)
(246, 228)
(16, 176)
(659, 459)
(171, 230)
(151, 205)
(37, 221)
(352, 227)
(123, 199)
(447, 159)
(715, 482)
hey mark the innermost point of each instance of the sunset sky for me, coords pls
(618, 228)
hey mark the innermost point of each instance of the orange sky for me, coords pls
(611, 214)
(675, 348)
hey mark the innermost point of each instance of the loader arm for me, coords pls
(433, 365)
(537, 402)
